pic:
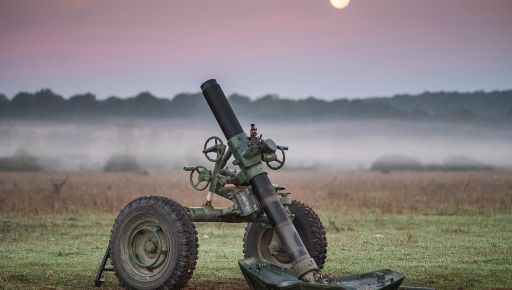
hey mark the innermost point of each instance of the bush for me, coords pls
(399, 162)
(464, 163)
(122, 163)
(20, 162)
(396, 162)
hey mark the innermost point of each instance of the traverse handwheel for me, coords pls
(200, 178)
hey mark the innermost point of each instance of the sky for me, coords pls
(293, 48)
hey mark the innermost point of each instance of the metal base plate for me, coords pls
(261, 274)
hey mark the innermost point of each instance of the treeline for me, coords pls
(47, 105)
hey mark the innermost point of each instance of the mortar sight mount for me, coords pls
(154, 242)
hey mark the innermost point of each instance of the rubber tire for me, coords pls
(172, 216)
(308, 225)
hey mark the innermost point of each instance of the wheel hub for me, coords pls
(150, 247)
(272, 250)
(147, 249)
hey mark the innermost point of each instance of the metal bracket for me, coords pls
(98, 280)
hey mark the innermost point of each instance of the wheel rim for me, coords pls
(147, 248)
(269, 247)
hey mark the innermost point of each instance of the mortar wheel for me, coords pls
(153, 244)
(261, 242)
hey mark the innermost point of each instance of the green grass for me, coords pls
(448, 252)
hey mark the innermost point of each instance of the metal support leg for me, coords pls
(98, 280)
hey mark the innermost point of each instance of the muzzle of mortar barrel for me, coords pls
(259, 273)
(302, 263)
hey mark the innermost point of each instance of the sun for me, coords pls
(340, 4)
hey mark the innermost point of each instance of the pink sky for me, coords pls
(294, 48)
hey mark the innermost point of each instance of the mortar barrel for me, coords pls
(221, 108)
(302, 262)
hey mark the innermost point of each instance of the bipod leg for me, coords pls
(98, 280)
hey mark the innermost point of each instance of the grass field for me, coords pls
(445, 230)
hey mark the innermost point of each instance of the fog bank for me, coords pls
(168, 144)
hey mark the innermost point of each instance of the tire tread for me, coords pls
(187, 240)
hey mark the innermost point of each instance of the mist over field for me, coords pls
(336, 144)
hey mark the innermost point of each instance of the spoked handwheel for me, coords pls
(200, 178)
(218, 148)
(278, 162)
(260, 241)
(153, 244)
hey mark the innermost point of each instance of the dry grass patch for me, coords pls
(421, 192)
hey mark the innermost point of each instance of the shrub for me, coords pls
(396, 162)
(20, 162)
(464, 163)
(122, 163)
